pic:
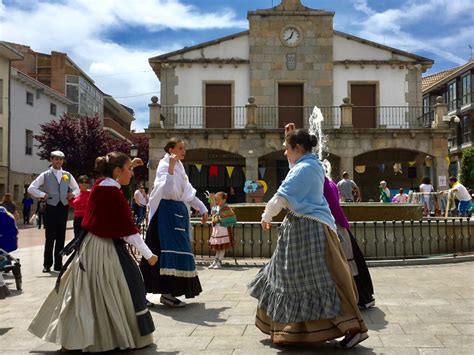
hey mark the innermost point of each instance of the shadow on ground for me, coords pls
(193, 313)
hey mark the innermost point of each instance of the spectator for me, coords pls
(40, 209)
(346, 188)
(9, 205)
(426, 189)
(27, 202)
(79, 204)
(384, 192)
(140, 199)
(462, 195)
(401, 197)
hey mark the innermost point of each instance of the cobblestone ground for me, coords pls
(420, 310)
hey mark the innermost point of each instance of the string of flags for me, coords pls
(398, 167)
(214, 170)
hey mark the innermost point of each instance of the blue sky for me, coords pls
(112, 39)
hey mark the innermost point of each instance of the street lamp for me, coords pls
(133, 150)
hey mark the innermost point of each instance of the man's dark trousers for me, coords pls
(55, 219)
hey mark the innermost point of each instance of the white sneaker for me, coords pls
(218, 265)
(212, 264)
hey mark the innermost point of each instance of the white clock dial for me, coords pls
(291, 36)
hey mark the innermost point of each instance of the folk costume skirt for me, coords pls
(100, 304)
(168, 237)
(306, 292)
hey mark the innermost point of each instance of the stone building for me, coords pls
(229, 99)
(455, 85)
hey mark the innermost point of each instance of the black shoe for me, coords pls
(57, 268)
(46, 269)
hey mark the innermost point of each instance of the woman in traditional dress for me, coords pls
(168, 231)
(354, 255)
(306, 292)
(100, 303)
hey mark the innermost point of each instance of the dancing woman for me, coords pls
(306, 292)
(100, 304)
(168, 231)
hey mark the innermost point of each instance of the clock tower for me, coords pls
(291, 55)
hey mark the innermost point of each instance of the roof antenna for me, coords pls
(471, 50)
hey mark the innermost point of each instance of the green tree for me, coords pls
(467, 168)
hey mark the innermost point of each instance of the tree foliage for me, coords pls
(467, 168)
(82, 140)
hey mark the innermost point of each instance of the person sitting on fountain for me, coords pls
(384, 192)
(462, 195)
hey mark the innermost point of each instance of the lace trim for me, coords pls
(179, 273)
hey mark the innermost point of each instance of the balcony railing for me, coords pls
(273, 117)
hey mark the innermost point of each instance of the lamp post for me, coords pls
(133, 150)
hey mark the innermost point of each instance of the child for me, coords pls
(222, 219)
(100, 303)
(79, 204)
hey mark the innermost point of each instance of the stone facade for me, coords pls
(314, 54)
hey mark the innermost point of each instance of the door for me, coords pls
(290, 104)
(363, 99)
(218, 106)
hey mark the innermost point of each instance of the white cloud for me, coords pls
(388, 26)
(77, 27)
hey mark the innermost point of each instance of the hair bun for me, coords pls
(314, 140)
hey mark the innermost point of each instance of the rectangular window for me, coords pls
(466, 89)
(29, 142)
(466, 129)
(52, 109)
(452, 97)
(29, 98)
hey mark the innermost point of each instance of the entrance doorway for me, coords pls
(218, 106)
(363, 97)
(290, 104)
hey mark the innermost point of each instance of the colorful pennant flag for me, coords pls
(213, 170)
(360, 169)
(262, 170)
(230, 170)
(448, 161)
(198, 167)
(381, 167)
(411, 163)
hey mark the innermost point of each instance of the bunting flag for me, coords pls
(262, 170)
(360, 169)
(198, 167)
(381, 167)
(411, 163)
(213, 170)
(448, 161)
(230, 170)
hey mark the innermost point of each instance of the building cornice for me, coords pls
(468, 66)
(35, 84)
(392, 62)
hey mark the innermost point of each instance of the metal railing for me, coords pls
(378, 240)
(272, 117)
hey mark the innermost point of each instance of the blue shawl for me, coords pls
(303, 189)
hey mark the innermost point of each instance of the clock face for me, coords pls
(291, 36)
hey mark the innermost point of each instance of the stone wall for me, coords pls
(268, 55)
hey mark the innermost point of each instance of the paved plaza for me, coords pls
(420, 310)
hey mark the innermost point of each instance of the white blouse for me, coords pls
(274, 206)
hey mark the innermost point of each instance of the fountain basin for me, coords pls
(362, 211)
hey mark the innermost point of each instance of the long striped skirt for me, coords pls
(168, 237)
(306, 292)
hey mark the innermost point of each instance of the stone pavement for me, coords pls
(420, 310)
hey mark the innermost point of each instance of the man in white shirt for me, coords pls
(140, 200)
(54, 186)
(462, 195)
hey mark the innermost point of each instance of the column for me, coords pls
(440, 111)
(347, 164)
(442, 169)
(346, 113)
(251, 171)
(251, 111)
(155, 113)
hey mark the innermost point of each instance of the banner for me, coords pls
(360, 169)
(198, 167)
(262, 170)
(230, 170)
(213, 170)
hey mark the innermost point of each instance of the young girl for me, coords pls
(222, 221)
(79, 204)
(100, 304)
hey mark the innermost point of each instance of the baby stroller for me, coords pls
(8, 243)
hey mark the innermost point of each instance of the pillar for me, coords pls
(155, 113)
(440, 111)
(346, 113)
(251, 171)
(251, 111)
(442, 169)
(347, 164)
